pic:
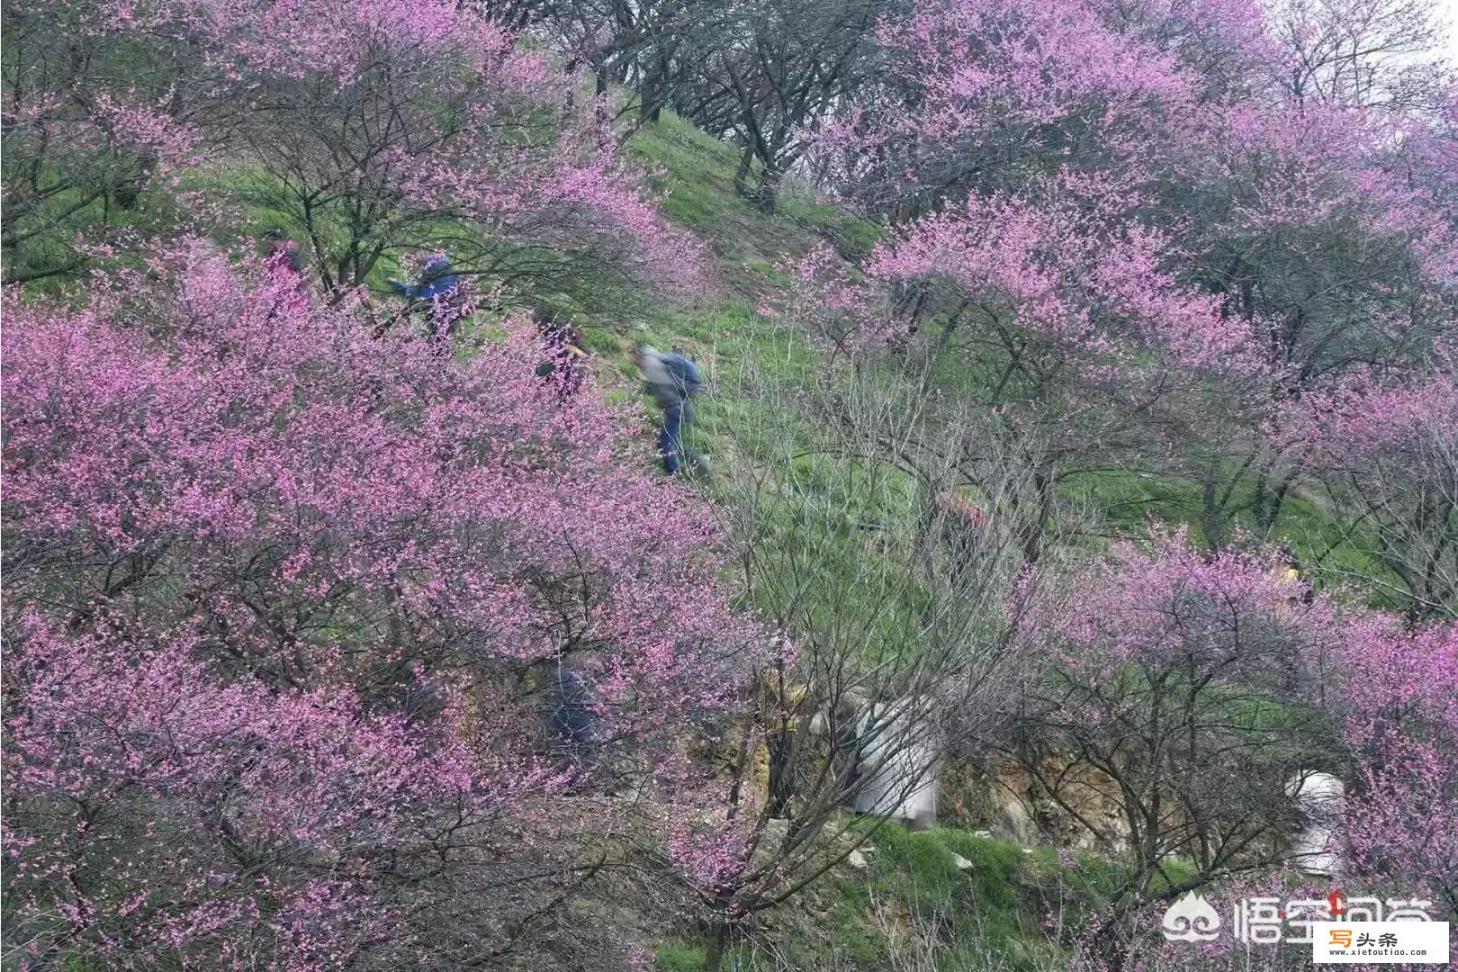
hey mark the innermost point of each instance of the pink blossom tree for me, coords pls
(1400, 718)
(370, 129)
(1388, 456)
(1109, 212)
(389, 126)
(88, 131)
(1191, 689)
(285, 601)
(1184, 690)
(1177, 676)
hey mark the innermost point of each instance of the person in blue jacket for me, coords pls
(438, 284)
(570, 709)
(437, 279)
(672, 379)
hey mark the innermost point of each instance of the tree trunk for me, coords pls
(1213, 521)
(1032, 539)
(741, 174)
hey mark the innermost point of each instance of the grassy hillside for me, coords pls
(945, 899)
(950, 898)
(692, 174)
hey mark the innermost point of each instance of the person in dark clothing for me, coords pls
(281, 253)
(439, 286)
(284, 269)
(672, 379)
(437, 279)
(563, 345)
(569, 707)
(964, 531)
(569, 710)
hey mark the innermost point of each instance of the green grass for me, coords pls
(983, 913)
(1003, 910)
(1328, 550)
(679, 957)
(693, 176)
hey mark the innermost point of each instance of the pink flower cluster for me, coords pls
(1389, 693)
(280, 580)
(1400, 709)
(1076, 273)
(1042, 159)
(421, 112)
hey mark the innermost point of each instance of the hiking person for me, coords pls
(281, 254)
(570, 711)
(284, 271)
(672, 379)
(964, 530)
(563, 345)
(438, 284)
(437, 280)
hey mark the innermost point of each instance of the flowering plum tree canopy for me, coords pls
(284, 580)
